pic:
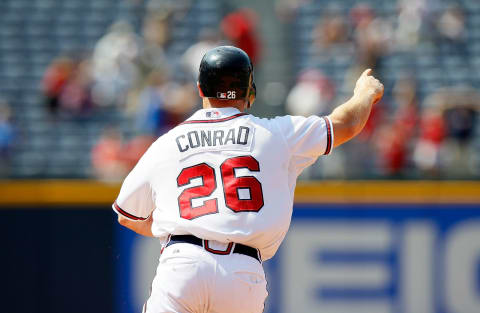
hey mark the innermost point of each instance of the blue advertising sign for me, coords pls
(378, 258)
(343, 258)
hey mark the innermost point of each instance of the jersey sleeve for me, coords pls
(136, 198)
(306, 137)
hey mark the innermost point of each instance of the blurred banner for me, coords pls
(343, 258)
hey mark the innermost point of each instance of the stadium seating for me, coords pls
(32, 34)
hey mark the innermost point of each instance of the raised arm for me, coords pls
(349, 118)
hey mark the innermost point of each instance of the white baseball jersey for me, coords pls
(225, 175)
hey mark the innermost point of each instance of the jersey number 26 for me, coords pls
(231, 187)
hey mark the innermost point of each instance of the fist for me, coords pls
(368, 87)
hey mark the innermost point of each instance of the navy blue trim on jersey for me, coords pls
(215, 121)
(125, 213)
(329, 136)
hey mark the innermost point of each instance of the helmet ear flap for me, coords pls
(252, 94)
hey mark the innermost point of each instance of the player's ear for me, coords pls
(200, 92)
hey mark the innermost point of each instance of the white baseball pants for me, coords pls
(190, 279)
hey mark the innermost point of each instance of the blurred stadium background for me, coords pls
(390, 222)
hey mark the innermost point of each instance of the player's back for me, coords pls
(219, 188)
(229, 176)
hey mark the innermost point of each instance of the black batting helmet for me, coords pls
(226, 73)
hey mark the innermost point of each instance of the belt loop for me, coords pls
(204, 243)
(226, 252)
(233, 247)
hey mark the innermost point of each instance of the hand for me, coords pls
(368, 86)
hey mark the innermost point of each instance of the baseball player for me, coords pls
(217, 190)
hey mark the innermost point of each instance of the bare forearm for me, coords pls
(143, 228)
(349, 118)
(353, 114)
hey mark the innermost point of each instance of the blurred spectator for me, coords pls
(394, 139)
(6, 138)
(331, 44)
(150, 114)
(240, 28)
(431, 135)
(360, 159)
(286, 9)
(451, 25)
(155, 35)
(75, 97)
(177, 8)
(135, 148)
(372, 36)
(191, 59)
(114, 69)
(311, 95)
(180, 101)
(460, 112)
(67, 86)
(375, 119)
(409, 23)
(461, 116)
(107, 156)
(112, 159)
(447, 129)
(330, 32)
(55, 78)
(162, 104)
(153, 66)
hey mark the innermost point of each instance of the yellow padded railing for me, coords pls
(45, 193)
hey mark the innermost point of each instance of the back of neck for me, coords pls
(209, 103)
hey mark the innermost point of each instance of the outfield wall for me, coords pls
(57, 260)
(409, 258)
(400, 247)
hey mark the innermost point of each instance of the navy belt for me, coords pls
(239, 248)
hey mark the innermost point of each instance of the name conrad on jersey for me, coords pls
(213, 138)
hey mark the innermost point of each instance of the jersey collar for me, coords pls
(214, 114)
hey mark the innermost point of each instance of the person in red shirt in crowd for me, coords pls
(394, 139)
(240, 28)
(56, 77)
(107, 156)
(135, 148)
